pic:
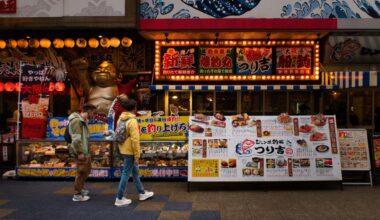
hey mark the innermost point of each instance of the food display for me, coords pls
(47, 158)
(264, 148)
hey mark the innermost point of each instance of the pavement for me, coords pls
(40, 199)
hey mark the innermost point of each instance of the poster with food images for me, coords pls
(354, 150)
(263, 148)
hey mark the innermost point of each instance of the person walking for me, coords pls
(130, 151)
(79, 147)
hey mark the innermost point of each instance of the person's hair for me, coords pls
(129, 104)
(88, 107)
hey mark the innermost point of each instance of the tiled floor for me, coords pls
(52, 200)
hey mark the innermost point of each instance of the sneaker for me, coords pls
(85, 192)
(80, 198)
(122, 202)
(146, 195)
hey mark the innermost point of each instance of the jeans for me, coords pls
(128, 166)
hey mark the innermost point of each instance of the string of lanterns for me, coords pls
(67, 42)
(16, 87)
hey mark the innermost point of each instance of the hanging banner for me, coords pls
(216, 60)
(34, 100)
(254, 60)
(179, 60)
(354, 150)
(263, 148)
(294, 60)
(163, 128)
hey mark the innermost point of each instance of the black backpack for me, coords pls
(67, 134)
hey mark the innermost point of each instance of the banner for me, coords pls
(263, 148)
(163, 128)
(34, 100)
(216, 60)
(294, 60)
(354, 151)
(254, 60)
(8, 6)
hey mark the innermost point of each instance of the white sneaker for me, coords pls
(85, 192)
(122, 202)
(146, 195)
(80, 198)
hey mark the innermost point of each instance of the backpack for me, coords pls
(121, 132)
(67, 134)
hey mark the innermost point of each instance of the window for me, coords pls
(182, 101)
(300, 103)
(252, 103)
(360, 107)
(226, 103)
(335, 103)
(203, 102)
(275, 103)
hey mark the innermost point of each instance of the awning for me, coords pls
(330, 80)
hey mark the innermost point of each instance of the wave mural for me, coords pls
(372, 9)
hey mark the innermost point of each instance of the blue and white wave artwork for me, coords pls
(372, 9)
(319, 9)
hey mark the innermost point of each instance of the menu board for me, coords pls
(263, 148)
(354, 153)
(376, 152)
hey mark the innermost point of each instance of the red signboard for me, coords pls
(294, 60)
(178, 60)
(7, 6)
(216, 60)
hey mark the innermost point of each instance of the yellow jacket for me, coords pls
(132, 144)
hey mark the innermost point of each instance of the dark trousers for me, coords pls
(83, 171)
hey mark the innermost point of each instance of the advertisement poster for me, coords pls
(376, 151)
(294, 60)
(214, 60)
(263, 148)
(99, 128)
(163, 128)
(179, 60)
(354, 151)
(34, 100)
(254, 60)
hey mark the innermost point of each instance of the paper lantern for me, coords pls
(12, 43)
(34, 43)
(22, 43)
(105, 42)
(59, 86)
(51, 87)
(81, 43)
(3, 44)
(126, 42)
(69, 42)
(93, 43)
(115, 42)
(58, 43)
(45, 43)
(9, 87)
(18, 87)
(1, 86)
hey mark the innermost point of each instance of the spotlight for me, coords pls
(268, 38)
(166, 38)
(216, 38)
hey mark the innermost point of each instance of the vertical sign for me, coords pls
(254, 60)
(34, 100)
(216, 60)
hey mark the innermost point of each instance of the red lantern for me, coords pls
(18, 87)
(9, 87)
(59, 86)
(1, 86)
(51, 87)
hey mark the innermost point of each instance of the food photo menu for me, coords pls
(263, 148)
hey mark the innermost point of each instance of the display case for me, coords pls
(159, 159)
(51, 158)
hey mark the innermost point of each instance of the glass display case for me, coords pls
(51, 158)
(159, 159)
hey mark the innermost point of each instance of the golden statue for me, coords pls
(105, 88)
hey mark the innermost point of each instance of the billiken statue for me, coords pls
(105, 88)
